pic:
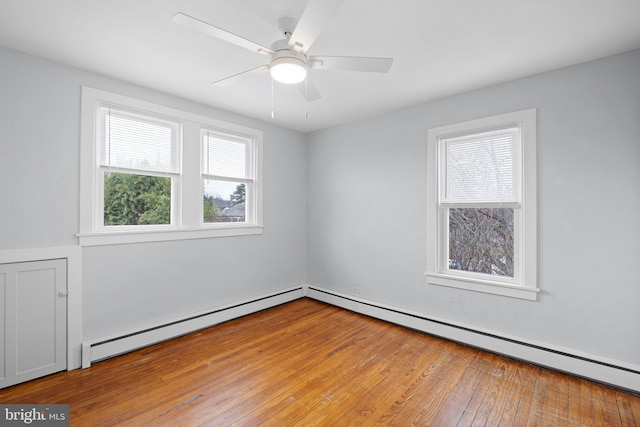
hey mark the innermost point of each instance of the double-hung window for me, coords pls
(153, 173)
(228, 177)
(482, 205)
(139, 168)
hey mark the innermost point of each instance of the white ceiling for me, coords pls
(440, 47)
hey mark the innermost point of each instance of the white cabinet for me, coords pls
(33, 320)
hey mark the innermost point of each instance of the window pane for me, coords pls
(131, 199)
(481, 240)
(482, 167)
(224, 201)
(138, 142)
(223, 157)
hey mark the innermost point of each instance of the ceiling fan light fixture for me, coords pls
(288, 70)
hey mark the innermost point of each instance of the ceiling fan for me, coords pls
(289, 56)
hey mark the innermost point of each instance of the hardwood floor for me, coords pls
(310, 364)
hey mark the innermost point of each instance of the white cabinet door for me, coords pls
(33, 320)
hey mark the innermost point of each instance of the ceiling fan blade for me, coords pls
(228, 81)
(312, 22)
(212, 30)
(351, 63)
(309, 90)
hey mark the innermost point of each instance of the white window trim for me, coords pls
(524, 283)
(189, 223)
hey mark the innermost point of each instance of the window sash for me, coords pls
(226, 157)
(173, 209)
(480, 169)
(250, 209)
(138, 142)
(444, 267)
(174, 213)
(483, 167)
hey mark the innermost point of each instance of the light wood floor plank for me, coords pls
(536, 412)
(516, 398)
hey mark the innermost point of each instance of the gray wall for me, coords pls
(367, 201)
(131, 286)
(354, 198)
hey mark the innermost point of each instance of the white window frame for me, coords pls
(250, 173)
(187, 196)
(103, 167)
(524, 283)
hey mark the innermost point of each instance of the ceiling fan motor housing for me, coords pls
(287, 65)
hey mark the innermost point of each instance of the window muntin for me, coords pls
(481, 224)
(170, 161)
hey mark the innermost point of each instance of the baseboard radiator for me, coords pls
(106, 347)
(613, 372)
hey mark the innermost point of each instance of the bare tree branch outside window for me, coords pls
(481, 240)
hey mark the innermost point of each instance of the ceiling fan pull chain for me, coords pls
(272, 110)
(306, 98)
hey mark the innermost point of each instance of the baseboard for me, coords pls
(617, 373)
(613, 372)
(106, 347)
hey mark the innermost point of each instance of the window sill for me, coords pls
(485, 286)
(143, 236)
